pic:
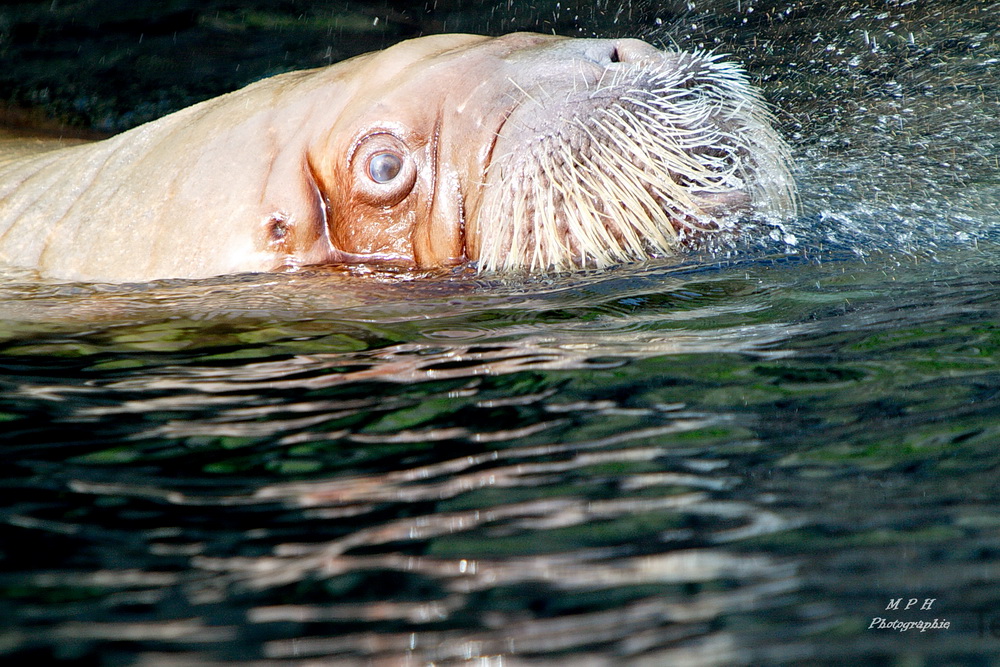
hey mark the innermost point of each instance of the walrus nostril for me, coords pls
(606, 52)
(633, 51)
(601, 51)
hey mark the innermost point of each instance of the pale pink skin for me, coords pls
(275, 175)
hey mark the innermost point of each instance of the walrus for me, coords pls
(525, 152)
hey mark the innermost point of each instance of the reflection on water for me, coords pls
(460, 481)
(701, 466)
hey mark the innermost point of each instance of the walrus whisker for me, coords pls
(658, 221)
(626, 179)
(573, 194)
(556, 188)
(635, 173)
(639, 178)
(550, 245)
(523, 91)
(631, 227)
(589, 219)
(599, 87)
(598, 235)
(666, 122)
(617, 163)
(581, 195)
(682, 164)
(546, 241)
(679, 157)
(594, 235)
(731, 139)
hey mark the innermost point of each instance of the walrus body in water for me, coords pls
(520, 153)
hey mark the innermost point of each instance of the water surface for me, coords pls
(710, 464)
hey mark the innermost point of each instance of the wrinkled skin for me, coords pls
(280, 174)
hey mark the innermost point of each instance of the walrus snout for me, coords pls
(537, 62)
(620, 151)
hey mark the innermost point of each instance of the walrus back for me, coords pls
(37, 192)
(57, 208)
(166, 199)
(180, 197)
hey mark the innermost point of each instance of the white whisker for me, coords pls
(648, 156)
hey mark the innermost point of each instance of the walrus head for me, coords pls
(532, 152)
(518, 153)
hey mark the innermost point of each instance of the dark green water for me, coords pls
(713, 464)
(734, 459)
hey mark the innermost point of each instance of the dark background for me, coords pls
(108, 65)
(112, 64)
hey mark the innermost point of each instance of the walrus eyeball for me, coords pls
(384, 169)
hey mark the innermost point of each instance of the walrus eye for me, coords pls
(383, 167)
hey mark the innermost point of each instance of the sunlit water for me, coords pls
(736, 458)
